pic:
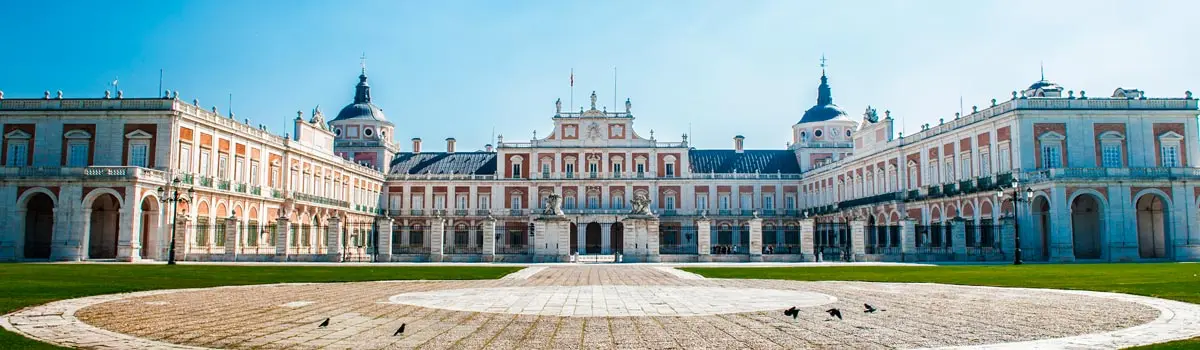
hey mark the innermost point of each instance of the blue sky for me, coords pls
(461, 68)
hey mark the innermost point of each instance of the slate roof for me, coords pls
(729, 161)
(474, 163)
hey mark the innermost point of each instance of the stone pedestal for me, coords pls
(704, 239)
(908, 237)
(858, 240)
(489, 239)
(807, 240)
(437, 237)
(755, 248)
(641, 239)
(233, 239)
(552, 239)
(182, 237)
(383, 251)
(333, 240)
(283, 238)
(958, 238)
(1008, 236)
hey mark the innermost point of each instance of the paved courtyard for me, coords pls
(607, 307)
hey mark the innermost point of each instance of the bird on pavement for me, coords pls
(791, 312)
(401, 330)
(867, 308)
(835, 313)
(324, 324)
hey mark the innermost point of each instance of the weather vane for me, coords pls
(363, 63)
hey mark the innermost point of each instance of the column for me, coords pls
(233, 238)
(755, 247)
(283, 238)
(807, 241)
(958, 242)
(908, 237)
(384, 249)
(703, 238)
(858, 241)
(437, 234)
(333, 240)
(128, 229)
(1061, 242)
(489, 239)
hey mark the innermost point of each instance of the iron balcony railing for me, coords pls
(320, 200)
(949, 189)
(1086, 174)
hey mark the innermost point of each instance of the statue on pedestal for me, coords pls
(553, 205)
(640, 205)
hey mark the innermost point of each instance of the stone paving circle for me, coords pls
(607, 307)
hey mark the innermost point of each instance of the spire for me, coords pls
(824, 95)
(362, 61)
(362, 93)
(1042, 65)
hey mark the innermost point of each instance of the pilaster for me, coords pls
(755, 248)
(489, 239)
(384, 250)
(858, 241)
(333, 240)
(807, 241)
(908, 237)
(704, 238)
(283, 238)
(233, 239)
(437, 236)
(1008, 234)
(958, 241)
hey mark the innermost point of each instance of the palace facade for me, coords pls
(1077, 178)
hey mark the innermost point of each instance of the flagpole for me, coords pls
(160, 75)
(572, 90)
(614, 88)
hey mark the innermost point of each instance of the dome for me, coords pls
(1043, 84)
(825, 109)
(362, 108)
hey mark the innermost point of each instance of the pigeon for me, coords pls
(401, 330)
(869, 309)
(835, 313)
(323, 324)
(791, 312)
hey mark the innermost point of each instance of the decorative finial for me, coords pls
(1082, 94)
(993, 102)
(299, 115)
(651, 134)
(558, 106)
(956, 115)
(175, 94)
(166, 93)
(1014, 95)
(107, 94)
(605, 109)
(535, 134)
(46, 94)
(1070, 93)
(1187, 94)
(823, 64)
(974, 109)
(59, 94)
(363, 62)
(1042, 66)
(628, 106)
(1, 94)
(887, 114)
(120, 94)
(196, 102)
(593, 100)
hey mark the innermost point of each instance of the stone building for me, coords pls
(1096, 179)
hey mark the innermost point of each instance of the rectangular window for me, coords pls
(223, 166)
(1110, 155)
(239, 169)
(593, 167)
(985, 164)
(545, 170)
(570, 168)
(139, 154)
(912, 177)
(418, 201)
(462, 202)
(1051, 156)
(274, 177)
(670, 167)
(641, 168)
(616, 167)
(948, 170)
(593, 202)
(1170, 156)
(185, 158)
(439, 202)
(746, 201)
(204, 160)
(618, 201)
(769, 202)
(515, 202)
(965, 172)
(77, 154)
(485, 201)
(1005, 161)
(670, 203)
(724, 202)
(702, 202)
(18, 153)
(516, 171)
(932, 173)
(254, 173)
(789, 203)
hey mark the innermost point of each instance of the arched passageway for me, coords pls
(1151, 227)
(1086, 226)
(150, 228)
(105, 219)
(574, 238)
(593, 244)
(39, 226)
(1040, 209)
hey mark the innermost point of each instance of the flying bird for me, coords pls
(791, 312)
(324, 324)
(401, 330)
(835, 313)
(867, 308)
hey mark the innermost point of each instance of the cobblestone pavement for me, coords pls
(607, 307)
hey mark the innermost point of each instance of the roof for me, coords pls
(473, 163)
(749, 161)
(362, 108)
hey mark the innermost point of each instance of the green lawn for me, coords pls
(1169, 280)
(32, 284)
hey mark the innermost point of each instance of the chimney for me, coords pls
(737, 143)
(487, 148)
(449, 145)
(416, 145)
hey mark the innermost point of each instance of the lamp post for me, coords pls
(173, 200)
(1016, 198)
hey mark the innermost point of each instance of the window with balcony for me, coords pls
(485, 201)
(670, 169)
(516, 170)
(569, 168)
(18, 153)
(514, 201)
(616, 168)
(768, 202)
(747, 201)
(461, 202)
(77, 153)
(1004, 163)
(593, 201)
(185, 157)
(418, 201)
(569, 201)
(205, 159)
(545, 170)
(439, 202)
(948, 170)
(723, 202)
(912, 176)
(139, 153)
(789, 202)
(254, 173)
(618, 201)
(669, 202)
(965, 161)
(274, 180)
(238, 166)
(1051, 149)
(702, 201)
(222, 166)
(932, 173)
(1110, 149)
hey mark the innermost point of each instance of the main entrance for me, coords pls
(39, 226)
(594, 243)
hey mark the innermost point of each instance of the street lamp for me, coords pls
(1016, 198)
(174, 200)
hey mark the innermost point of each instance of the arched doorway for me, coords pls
(1040, 209)
(1085, 227)
(574, 238)
(150, 228)
(593, 244)
(105, 218)
(39, 226)
(618, 237)
(1151, 227)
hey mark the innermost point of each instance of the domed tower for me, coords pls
(824, 133)
(361, 132)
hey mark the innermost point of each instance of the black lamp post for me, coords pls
(173, 200)
(1016, 198)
